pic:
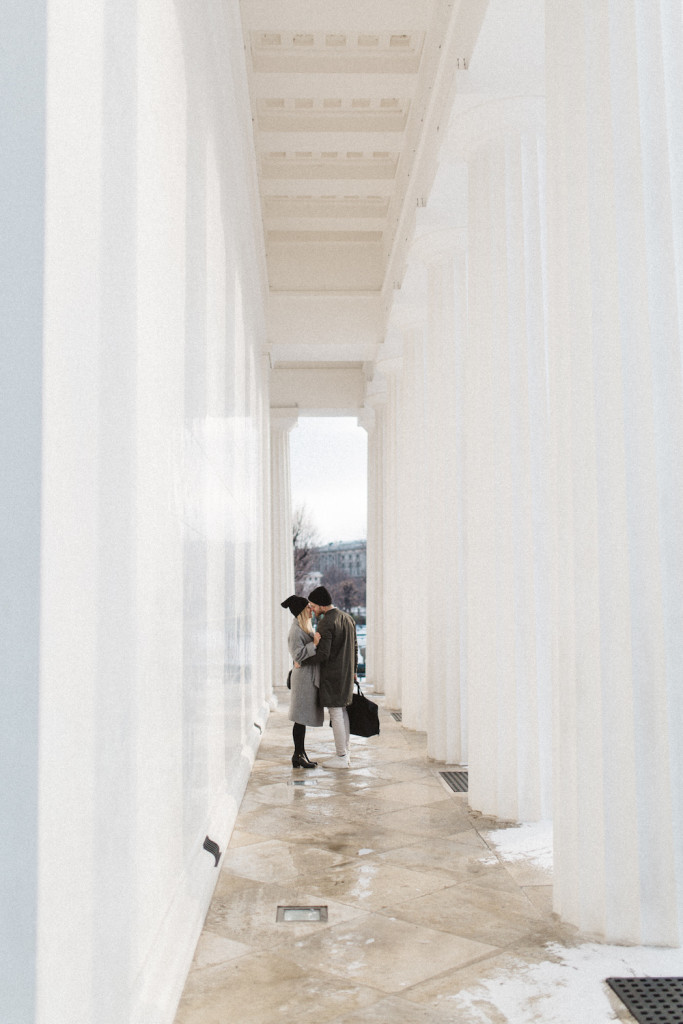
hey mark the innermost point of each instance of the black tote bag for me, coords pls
(363, 715)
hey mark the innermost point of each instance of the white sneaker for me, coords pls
(337, 762)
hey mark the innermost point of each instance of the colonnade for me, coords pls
(527, 579)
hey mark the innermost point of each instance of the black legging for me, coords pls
(299, 737)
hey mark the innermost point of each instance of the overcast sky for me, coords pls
(329, 475)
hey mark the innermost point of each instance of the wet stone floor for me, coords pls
(422, 910)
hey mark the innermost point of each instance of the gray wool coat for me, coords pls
(303, 702)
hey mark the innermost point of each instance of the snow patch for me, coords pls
(532, 842)
(567, 988)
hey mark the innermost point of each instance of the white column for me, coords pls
(443, 251)
(390, 368)
(281, 422)
(508, 639)
(616, 387)
(373, 421)
(412, 508)
(266, 554)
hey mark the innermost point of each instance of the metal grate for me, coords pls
(456, 780)
(651, 1000)
(397, 716)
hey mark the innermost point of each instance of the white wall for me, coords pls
(154, 580)
(22, 61)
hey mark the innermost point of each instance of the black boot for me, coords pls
(300, 758)
(301, 761)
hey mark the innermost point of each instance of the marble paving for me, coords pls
(422, 910)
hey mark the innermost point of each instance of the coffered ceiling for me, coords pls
(347, 99)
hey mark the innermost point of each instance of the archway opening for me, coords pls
(329, 500)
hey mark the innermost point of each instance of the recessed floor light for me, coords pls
(301, 914)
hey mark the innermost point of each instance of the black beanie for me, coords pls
(295, 604)
(321, 596)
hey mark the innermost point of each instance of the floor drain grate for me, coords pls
(456, 780)
(301, 914)
(651, 1000)
(397, 716)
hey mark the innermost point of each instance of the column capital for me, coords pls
(284, 418)
(490, 120)
(376, 392)
(366, 419)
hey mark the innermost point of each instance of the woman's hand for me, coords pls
(316, 639)
(297, 665)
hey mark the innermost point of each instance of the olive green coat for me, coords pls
(337, 655)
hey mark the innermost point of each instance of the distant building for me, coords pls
(309, 582)
(349, 557)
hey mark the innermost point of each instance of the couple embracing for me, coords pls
(325, 666)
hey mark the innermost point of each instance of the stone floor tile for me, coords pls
(274, 858)
(400, 771)
(412, 794)
(441, 819)
(384, 952)
(490, 915)
(372, 884)
(541, 896)
(461, 862)
(241, 838)
(213, 949)
(395, 1010)
(266, 989)
(245, 911)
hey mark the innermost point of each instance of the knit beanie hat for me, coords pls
(295, 604)
(321, 596)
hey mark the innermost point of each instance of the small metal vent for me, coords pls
(301, 914)
(397, 716)
(456, 780)
(651, 1000)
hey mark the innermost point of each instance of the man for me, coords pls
(337, 655)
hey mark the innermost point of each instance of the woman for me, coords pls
(304, 708)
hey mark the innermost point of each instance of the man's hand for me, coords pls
(316, 639)
(297, 665)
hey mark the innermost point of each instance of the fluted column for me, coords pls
(390, 368)
(443, 252)
(281, 422)
(505, 423)
(615, 153)
(372, 421)
(413, 514)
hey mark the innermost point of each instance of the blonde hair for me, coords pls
(305, 623)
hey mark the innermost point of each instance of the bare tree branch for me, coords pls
(304, 540)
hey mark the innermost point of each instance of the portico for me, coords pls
(460, 221)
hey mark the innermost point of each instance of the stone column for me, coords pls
(281, 422)
(614, 149)
(390, 368)
(373, 421)
(505, 422)
(443, 252)
(412, 508)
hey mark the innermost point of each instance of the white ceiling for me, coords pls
(347, 99)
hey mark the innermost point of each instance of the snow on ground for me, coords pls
(569, 988)
(532, 841)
